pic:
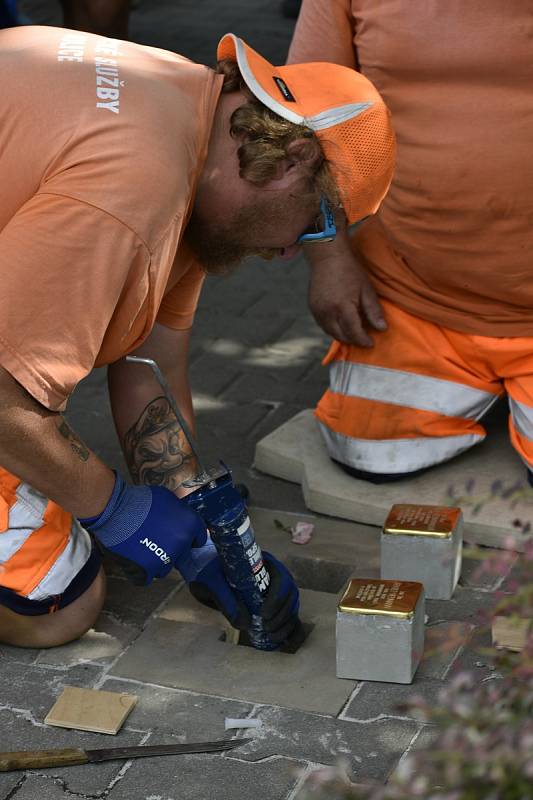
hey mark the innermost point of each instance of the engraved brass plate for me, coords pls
(387, 598)
(414, 520)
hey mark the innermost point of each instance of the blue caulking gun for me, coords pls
(219, 503)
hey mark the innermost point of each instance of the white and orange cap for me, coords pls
(343, 109)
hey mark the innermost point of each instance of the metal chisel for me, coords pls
(70, 756)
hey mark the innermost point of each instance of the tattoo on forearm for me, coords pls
(76, 445)
(156, 448)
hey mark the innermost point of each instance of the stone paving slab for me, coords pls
(30, 691)
(201, 777)
(22, 733)
(338, 549)
(296, 452)
(100, 645)
(186, 716)
(45, 788)
(371, 750)
(375, 700)
(190, 656)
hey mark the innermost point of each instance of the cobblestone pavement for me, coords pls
(255, 363)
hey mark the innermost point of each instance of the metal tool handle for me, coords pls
(37, 759)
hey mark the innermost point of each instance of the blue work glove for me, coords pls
(202, 570)
(281, 602)
(147, 528)
(208, 585)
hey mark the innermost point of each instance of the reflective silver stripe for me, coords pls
(395, 455)
(334, 116)
(26, 516)
(321, 121)
(522, 417)
(66, 566)
(258, 90)
(409, 389)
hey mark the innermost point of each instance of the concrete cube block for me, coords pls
(423, 543)
(380, 630)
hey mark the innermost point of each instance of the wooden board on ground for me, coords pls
(296, 452)
(90, 710)
(510, 633)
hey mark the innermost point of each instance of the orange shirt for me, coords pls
(453, 240)
(101, 146)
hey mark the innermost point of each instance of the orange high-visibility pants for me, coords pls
(415, 399)
(43, 549)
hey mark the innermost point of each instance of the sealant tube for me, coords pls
(226, 515)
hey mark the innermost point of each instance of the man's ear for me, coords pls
(302, 159)
(305, 153)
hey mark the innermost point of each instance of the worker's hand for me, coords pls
(202, 569)
(341, 296)
(281, 602)
(147, 528)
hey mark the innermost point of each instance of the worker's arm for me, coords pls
(38, 446)
(341, 296)
(150, 529)
(324, 32)
(155, 447)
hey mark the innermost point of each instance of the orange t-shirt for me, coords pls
(101, 146)
(453, 240)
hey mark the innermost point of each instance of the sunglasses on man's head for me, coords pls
(324, 229)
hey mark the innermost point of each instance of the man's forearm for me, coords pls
(154, 445)
(38, 446)
(156, 449)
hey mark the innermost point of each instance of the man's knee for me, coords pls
(52, 630)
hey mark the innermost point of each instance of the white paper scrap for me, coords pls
(241, 723)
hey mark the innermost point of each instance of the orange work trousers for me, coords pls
(415, 399)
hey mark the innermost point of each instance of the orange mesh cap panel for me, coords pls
(341, 106)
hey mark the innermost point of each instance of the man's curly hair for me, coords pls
(265, 136)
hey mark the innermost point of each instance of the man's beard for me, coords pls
(221, 249)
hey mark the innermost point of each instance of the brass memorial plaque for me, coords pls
(414, 520)
(389, 598)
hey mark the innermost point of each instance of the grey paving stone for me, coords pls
(100, 645)
(518, 575)
(32, 690)
(315, 785)
(192, 657)
(466, 605)
(197, 777)
(266, 490)
(20, 732)
(443, 642)
(21, 655)
(474, 576)
(338, 548)
(371, 749)
(273, 385)
(477, 656)
(170, 712)
(209, 376)
(132, 605)
(215, 323)
(375, 700)
(45, 788)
